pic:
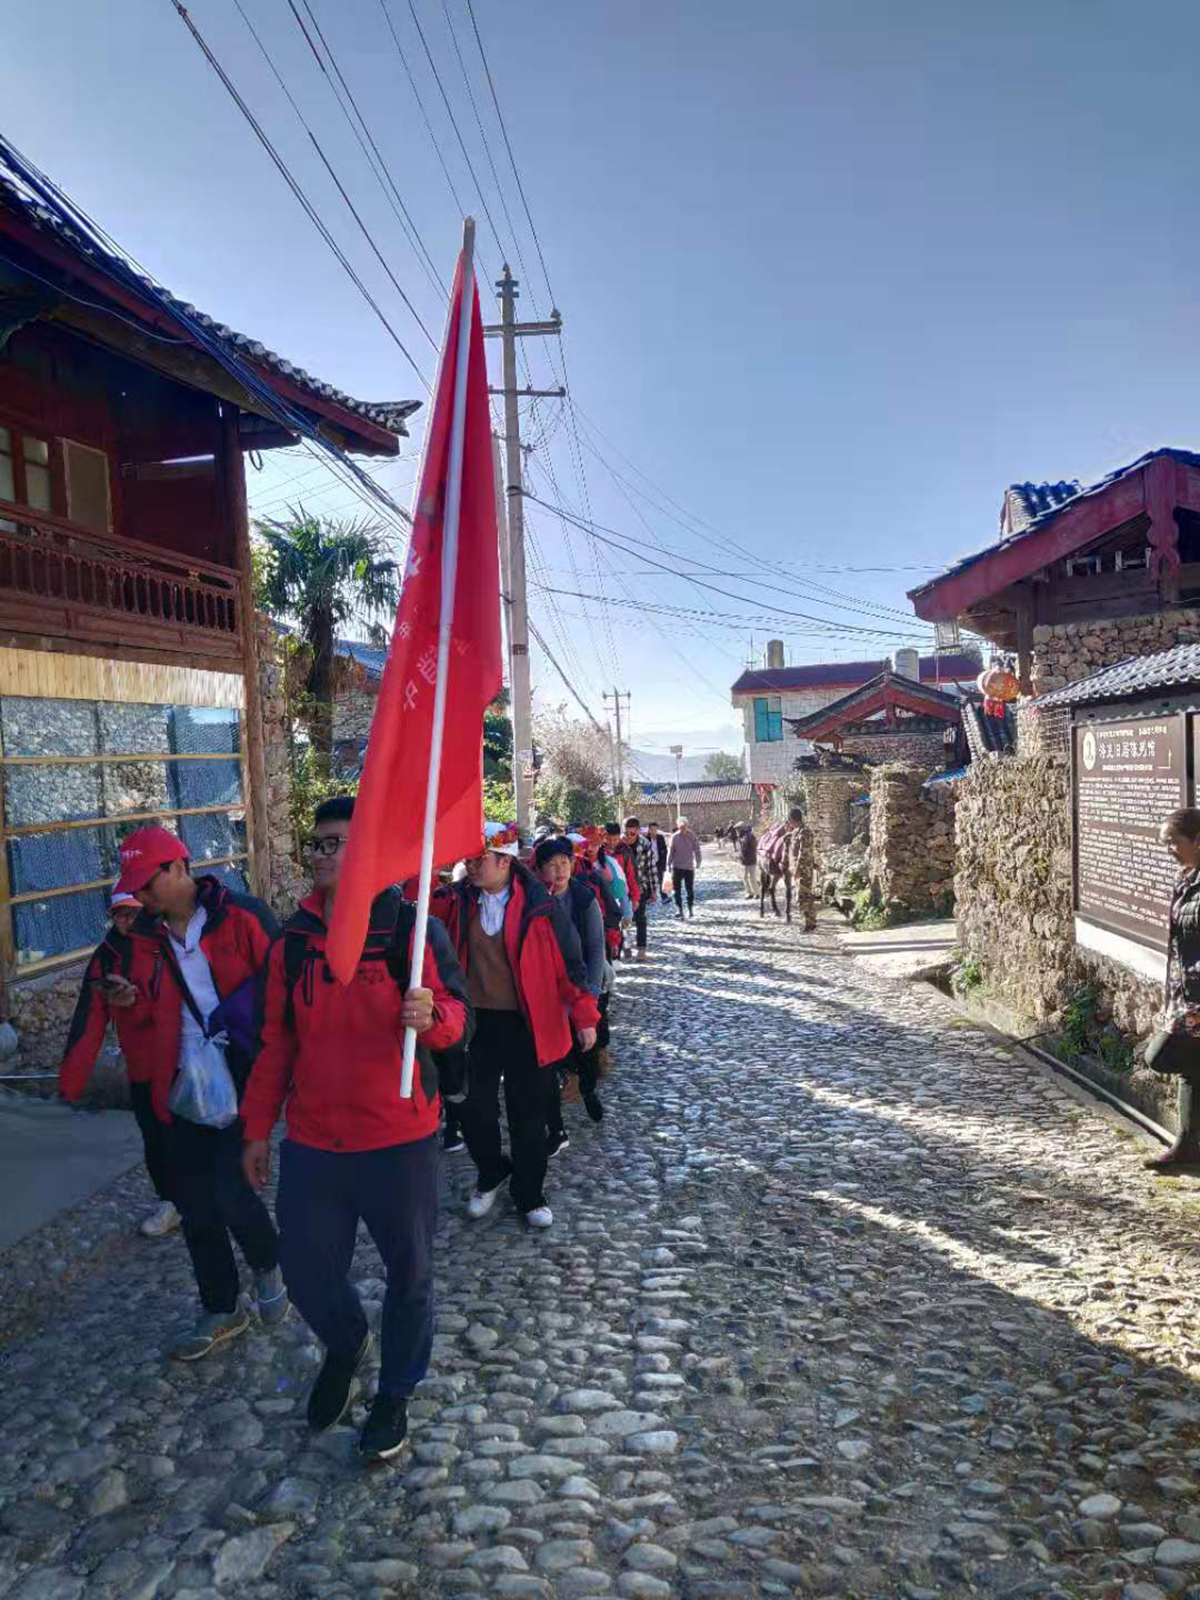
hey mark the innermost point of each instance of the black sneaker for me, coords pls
(591, 1104)
(334, 1389)
(557, 1141)
(385, 1430)
(452, 1142)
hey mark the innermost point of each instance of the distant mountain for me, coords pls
(656, 767)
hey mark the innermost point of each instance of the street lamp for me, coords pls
(677, 752)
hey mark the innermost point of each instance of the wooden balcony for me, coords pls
(66, 582)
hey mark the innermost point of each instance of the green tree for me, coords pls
(721, 767)
(321, 575)
(497, 740)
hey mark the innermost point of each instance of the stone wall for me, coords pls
(925, 750)
(827, 797)
(912, 840)
(1014, 905)
(353, 708)
(705, 819)
(1073, 650)
(285, 882)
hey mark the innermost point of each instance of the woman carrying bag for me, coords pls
(1175, 1049)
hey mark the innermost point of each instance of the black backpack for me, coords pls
(387, 942)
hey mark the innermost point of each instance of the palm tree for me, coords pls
(321, 575)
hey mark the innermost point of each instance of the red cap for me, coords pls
(143, 852)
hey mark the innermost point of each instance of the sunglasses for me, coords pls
(327, 846)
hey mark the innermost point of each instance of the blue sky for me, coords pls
(833, 274)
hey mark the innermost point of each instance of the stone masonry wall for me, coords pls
(353, 708)
(1013, 886)
(924, 750)
(912, 839)
(1073, 650)
(827, 800)
(287, 882)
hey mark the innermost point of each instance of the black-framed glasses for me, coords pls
(328, 845)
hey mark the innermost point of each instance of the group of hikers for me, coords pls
(227, 1021)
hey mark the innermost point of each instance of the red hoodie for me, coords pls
(543, 953)
(333, 1053)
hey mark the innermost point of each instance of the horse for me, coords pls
(785, 852)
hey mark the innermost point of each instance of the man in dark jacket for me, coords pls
(644, 862)
(208, 948)
(526, 981)
(659, 845)
(355, 1151)
(749, 856)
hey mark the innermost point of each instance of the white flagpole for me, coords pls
(446, 628)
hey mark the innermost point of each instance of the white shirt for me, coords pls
(491, 910)
(197, 974)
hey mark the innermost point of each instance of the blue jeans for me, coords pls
(323, 1194)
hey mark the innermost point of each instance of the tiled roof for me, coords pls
(388, 414)
(1168, 670)
(697, 794)
(1053, 507)
(850, 674)
(802, 727)
(986, 735)
(370, 657)
(1024, 503)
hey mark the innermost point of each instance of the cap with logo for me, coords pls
(143, 853)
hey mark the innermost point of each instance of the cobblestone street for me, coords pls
(841, 1298)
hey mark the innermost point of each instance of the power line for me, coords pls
(293, 184)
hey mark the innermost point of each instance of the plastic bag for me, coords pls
(204, 1091)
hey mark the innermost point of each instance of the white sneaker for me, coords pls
(480, 1203)
(160, 1222)
(541, 1217)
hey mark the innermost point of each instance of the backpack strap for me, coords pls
(295, 956)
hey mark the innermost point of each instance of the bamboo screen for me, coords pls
(79, 773)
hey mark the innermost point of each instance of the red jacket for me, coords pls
(333, 1053)
(237, 939)
(622, 853)
(128, 958)
(543, 953)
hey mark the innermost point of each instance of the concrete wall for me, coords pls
(912, 840)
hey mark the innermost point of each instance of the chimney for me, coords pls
(907, 664)
(774, 654)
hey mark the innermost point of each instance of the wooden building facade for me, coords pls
(129, 686)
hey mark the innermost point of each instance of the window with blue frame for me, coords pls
(768, 719)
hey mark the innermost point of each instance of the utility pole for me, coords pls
(618, 756)
(677, 752)
(509, 330)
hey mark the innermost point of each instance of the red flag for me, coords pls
(385, 838)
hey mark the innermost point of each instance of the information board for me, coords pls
(1129, 776)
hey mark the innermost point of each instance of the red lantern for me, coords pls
(998, 683)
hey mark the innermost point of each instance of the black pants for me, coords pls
(503, 1047)
(215, 1200)
(156, 1142)
(323, 1194)
(684, 878)
(586, 1063)
(1178, 1056)
(639, 922)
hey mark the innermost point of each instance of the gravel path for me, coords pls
(842, 1298)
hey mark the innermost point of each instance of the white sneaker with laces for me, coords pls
(540, 1217)
(160, 1222)
(480, 1203)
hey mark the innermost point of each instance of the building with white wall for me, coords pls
(769, 695)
